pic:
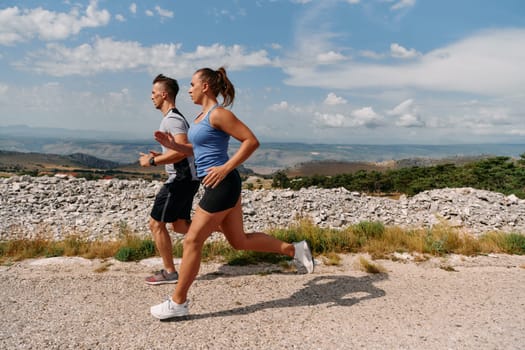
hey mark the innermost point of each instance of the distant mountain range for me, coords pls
(268, 158)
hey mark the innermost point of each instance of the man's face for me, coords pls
(157, 95)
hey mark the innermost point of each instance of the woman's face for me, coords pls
(196, 90)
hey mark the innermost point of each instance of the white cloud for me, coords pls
(284, 106)
(119, 97)
(402, 108)
(55, 104)
(409, 121)
(478, 117)
(328, 120)
(371, 54)
(149, 13)
(329, 57)
(120, 18)
(133, 8)
(108, 55)
(233, 57)
(281, 106)
(313, 40)
(333, 99)
(465, 66)
(163, 13)
(407, 114)
(399, 51)
(23, 25)
(366, 117)
(403, 4)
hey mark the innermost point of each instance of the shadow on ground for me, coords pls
(330, 290)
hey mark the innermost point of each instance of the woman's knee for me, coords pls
(239, 243)
(192, 242)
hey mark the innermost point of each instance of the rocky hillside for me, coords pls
(58, 206)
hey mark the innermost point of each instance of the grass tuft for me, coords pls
(103, 267)
(332, 259)
(372, 238)
(448, 268)
(370, 267)
(135, 249)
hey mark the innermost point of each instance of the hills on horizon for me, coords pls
(270, 157)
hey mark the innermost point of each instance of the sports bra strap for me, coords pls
(211, 109)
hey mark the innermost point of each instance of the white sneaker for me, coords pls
(303, 256)
(169, 309)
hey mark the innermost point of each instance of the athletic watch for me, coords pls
(152, 161)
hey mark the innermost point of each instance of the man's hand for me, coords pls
(144, 158)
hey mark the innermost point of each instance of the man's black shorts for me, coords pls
(174, 201)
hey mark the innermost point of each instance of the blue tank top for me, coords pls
(210, 145)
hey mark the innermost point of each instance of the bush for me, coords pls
(514, 244)
(124, 254)
(136, 250)
(367, 230)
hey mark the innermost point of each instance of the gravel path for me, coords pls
(62, 303)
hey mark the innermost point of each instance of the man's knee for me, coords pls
(181, 226)
(156, 226)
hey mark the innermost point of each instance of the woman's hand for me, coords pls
(178, 142)
(166, 139)
(215, 175)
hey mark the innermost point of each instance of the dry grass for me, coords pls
(372, 238)
(370, 267)
(104, 266)
(332, 259)
(448, 268)
(21, 249)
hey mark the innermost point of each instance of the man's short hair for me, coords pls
(169, 84)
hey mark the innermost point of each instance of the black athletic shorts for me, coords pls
(224, 196)
(174, 201)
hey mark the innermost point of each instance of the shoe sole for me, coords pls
(160, 282)
(164, 318)
(307, 249)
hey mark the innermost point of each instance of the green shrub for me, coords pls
(367, 230)
(514, 243)
(136, 250)
(124, 254)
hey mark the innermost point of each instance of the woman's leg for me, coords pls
(233, 228)
(202, 225)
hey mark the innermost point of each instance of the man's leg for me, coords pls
(163, 211)
(163, 243)
(181, 226)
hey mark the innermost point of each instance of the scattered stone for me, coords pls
(55, 207)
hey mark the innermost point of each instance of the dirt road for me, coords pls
(453, 303)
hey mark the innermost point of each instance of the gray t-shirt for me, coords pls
(174, 123)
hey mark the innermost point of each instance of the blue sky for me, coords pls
(347, 71)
